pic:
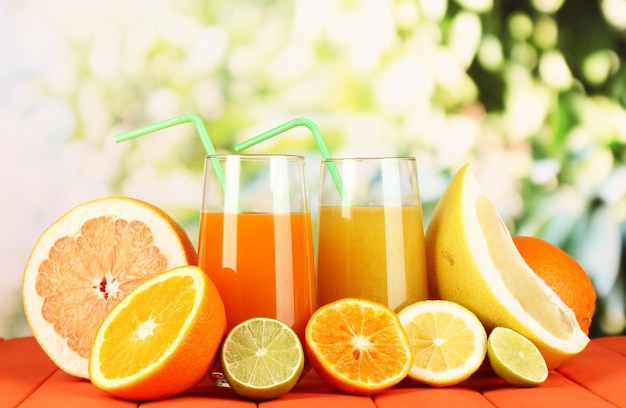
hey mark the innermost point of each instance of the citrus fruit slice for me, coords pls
(85, 262)
(358, 346)
(448, 341)
(471, 260)
(262, 358)
(161, 338)
(563, 274)
(515, 359)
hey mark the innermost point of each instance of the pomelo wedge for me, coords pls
(83, 265)
(473, 261)
(161, 339)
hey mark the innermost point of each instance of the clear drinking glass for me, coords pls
(255, 239)
(370, 238)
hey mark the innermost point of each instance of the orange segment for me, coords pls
(85, 262)
(161, 339)
(358, 346)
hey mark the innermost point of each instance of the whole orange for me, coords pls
(562, 273)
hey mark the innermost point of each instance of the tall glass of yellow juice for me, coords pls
(370, 235)
(255, 239)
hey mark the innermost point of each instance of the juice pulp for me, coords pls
(375, 253)
(262, 265)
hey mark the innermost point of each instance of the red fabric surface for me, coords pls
(23, 368)
(411, 394)
(600, 370)
(594, 378)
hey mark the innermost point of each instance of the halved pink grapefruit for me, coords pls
(83, 265)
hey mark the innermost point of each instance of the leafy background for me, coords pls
(531, 92)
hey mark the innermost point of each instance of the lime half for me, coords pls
(515, 359)
(262, 358)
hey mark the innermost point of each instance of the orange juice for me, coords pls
(262, 265)
(375, 253)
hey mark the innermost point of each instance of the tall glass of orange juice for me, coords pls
(370, 235)
(255, 239)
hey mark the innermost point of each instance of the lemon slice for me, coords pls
(262, 358)
(472, 260)
(358, 346)
(447, 340)
(515, 359)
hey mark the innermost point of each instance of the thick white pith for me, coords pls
(514, 285)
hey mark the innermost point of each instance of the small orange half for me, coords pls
(358, 346)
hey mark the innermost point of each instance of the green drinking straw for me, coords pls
(316, 134)
(189, 117)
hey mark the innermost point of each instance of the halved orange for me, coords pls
(161, 339)
(85, 262)
(358, 346)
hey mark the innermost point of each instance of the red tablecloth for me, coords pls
(594, 378)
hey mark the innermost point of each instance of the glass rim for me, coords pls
(253, 156)
(366, 159)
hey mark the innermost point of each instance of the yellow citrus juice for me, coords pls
(262, 265)
(375, 253)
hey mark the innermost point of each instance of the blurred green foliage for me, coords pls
(532, 93)
(534, 90)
